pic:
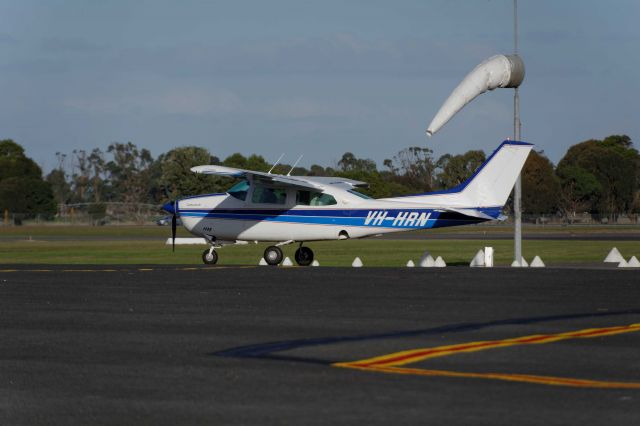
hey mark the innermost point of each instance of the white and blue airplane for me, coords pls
(287, 209)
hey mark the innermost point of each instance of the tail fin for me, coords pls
(489, 186)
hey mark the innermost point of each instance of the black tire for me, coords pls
(273, 255)
(210, 258)
(304, 256)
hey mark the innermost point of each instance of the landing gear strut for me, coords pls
(209, 256)
(273, 255)
(304, 256)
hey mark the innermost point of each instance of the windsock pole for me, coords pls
(517, 192)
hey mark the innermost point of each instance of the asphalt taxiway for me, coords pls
(261, 345)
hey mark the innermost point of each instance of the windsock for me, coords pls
(497, 71)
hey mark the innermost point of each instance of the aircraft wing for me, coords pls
(219, 171)
(334, 180)
(268, 178)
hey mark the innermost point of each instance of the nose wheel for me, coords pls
(209, 256)
(304, 256)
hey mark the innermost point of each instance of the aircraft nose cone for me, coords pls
(169, 207)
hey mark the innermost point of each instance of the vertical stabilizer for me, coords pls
(493, 181)
(489, 186)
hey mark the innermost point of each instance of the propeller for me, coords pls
(172, 207)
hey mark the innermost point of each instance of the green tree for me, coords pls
(22, 189)
(129, 172)
(349, 163)
(59, 186)
(317, 170)
(178, 180)
(413, 168)
(81, 175)
(13, 162)
(97, 181)
(57, 178)
(578, 188)
(455, 169)
(615, 164)
(254, 162)
(540, 186)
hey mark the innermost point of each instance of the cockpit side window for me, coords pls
(239, 190)
(312, 198)
(265, 195)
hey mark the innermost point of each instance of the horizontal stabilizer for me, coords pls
(470, 213)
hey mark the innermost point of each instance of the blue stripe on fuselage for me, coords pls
(387, 218)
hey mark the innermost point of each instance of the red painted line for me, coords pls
(484, 345)
(389, 364)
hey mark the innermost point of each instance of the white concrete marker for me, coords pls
(614, 256)
(187, 241)
(440, 263)
(478, 259)
(537, 263)
(633, 262)
(488, 257)
(427, 262)
(315, 263)
(263, 262)
(524, 263)
(287, 262)
(410, 264)
(623, 264)
(357, 263)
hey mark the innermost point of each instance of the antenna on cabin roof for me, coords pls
(295, 164)
(276, 163)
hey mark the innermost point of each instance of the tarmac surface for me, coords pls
(259, 345)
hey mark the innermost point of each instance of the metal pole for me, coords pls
(517, 193)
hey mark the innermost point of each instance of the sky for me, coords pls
(312, 78)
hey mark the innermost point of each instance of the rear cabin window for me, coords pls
(264, 195)
(311, 198)
(359, 194)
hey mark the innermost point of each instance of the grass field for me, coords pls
(145, 245)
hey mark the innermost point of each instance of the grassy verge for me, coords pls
(148, 231)
(330, 253)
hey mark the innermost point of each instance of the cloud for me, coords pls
(77, 45)
(174, 101)
(340, 53)
(193, 101)
(303, 108)
(7, 39)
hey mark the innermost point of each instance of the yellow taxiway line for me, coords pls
(392, 363)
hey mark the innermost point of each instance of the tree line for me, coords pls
(601, 177)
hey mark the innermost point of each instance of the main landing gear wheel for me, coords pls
(304, 256)
(273, 255)
(210, 257)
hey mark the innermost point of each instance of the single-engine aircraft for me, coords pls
(287, 209)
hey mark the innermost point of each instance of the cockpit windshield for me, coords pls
(239, 190)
